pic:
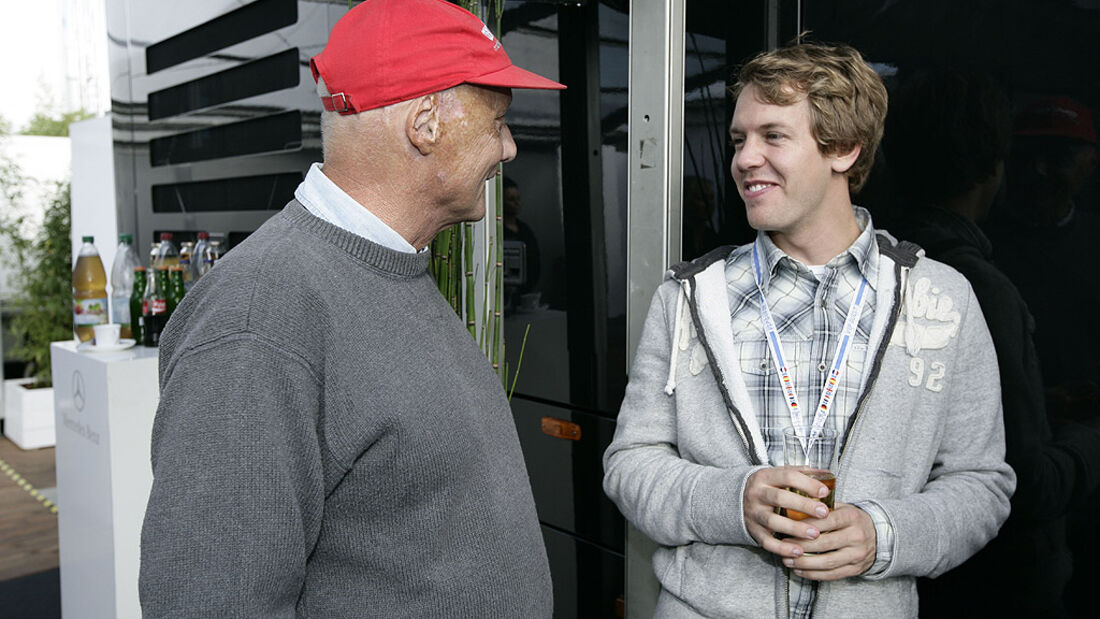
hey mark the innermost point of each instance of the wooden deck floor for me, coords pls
(28, 530)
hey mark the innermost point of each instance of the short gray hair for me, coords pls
(327, 117)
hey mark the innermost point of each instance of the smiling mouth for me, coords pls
(755, 188)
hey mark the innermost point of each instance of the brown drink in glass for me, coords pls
(818, 454)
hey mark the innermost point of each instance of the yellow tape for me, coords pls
(22, 483)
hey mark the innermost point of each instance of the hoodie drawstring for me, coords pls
(677, 333)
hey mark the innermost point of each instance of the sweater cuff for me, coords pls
(718, 508)
(884, 542)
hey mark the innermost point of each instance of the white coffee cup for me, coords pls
(107, 335)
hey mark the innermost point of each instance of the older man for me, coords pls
(330, 441)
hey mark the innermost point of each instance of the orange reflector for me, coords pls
(559, 428)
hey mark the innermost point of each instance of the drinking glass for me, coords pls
(817, 453)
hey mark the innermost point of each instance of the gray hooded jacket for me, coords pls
(926, 443)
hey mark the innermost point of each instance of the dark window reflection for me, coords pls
(989, 163)
(719, 37)
(564, 202)
(564, 214)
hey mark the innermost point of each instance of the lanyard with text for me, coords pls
(851, 321)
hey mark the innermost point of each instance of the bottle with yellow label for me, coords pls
(89, 290)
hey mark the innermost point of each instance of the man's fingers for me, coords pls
(835, 565)
(845, 548)
(778, 546)
(775, 523)
(783, 477)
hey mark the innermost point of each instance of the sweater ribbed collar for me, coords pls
(398, 263)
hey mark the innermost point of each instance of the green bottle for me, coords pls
(137, 313)
(176, 288)
(155, 306)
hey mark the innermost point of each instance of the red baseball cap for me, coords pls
(386, 51)
(1057, 116)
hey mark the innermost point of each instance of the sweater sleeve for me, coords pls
(237, 484)
(966, 499)
(672, 500)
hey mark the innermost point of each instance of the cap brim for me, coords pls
(515, 77)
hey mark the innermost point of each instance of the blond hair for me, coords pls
(847, 98)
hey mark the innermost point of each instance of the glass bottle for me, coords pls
(212, 254)
(166, 253)
(187, 253)
(89, 291)
(122, 283)
(137, 313)
(176, 288)
(155, 306)
(198, 257)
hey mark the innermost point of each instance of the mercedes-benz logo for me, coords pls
(78, 390)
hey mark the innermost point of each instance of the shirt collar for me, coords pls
(325, 200)
(864, 251)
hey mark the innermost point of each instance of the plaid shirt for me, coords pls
(808, 316)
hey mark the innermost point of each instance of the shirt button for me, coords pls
(764, 364)
(821, 367)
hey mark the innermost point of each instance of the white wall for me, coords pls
(94, 212)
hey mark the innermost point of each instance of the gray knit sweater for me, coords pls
(331, 443)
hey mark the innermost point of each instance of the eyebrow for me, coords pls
(763, 128)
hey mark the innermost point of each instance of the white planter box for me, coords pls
(28, 414)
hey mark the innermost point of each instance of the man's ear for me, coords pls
(422, 123)
(843, 161)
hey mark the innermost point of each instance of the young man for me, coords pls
(820, 323)
(330, 441)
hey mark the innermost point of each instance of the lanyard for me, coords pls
(851, 321)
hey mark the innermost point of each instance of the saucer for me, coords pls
(122, 344)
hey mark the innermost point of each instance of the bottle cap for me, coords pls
(175, 268)
(126, 238)
(87, 239)
(136, 269)
(166, 236)
(204, 235)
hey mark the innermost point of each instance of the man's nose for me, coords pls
(747, 156)
(509, 151)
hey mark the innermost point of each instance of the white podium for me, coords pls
(104, 405)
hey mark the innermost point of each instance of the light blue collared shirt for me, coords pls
(323, 199)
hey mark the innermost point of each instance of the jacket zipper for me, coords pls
(787, 594)
(876, 367)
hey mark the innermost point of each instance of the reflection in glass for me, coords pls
(719, 37)
(572, 293)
